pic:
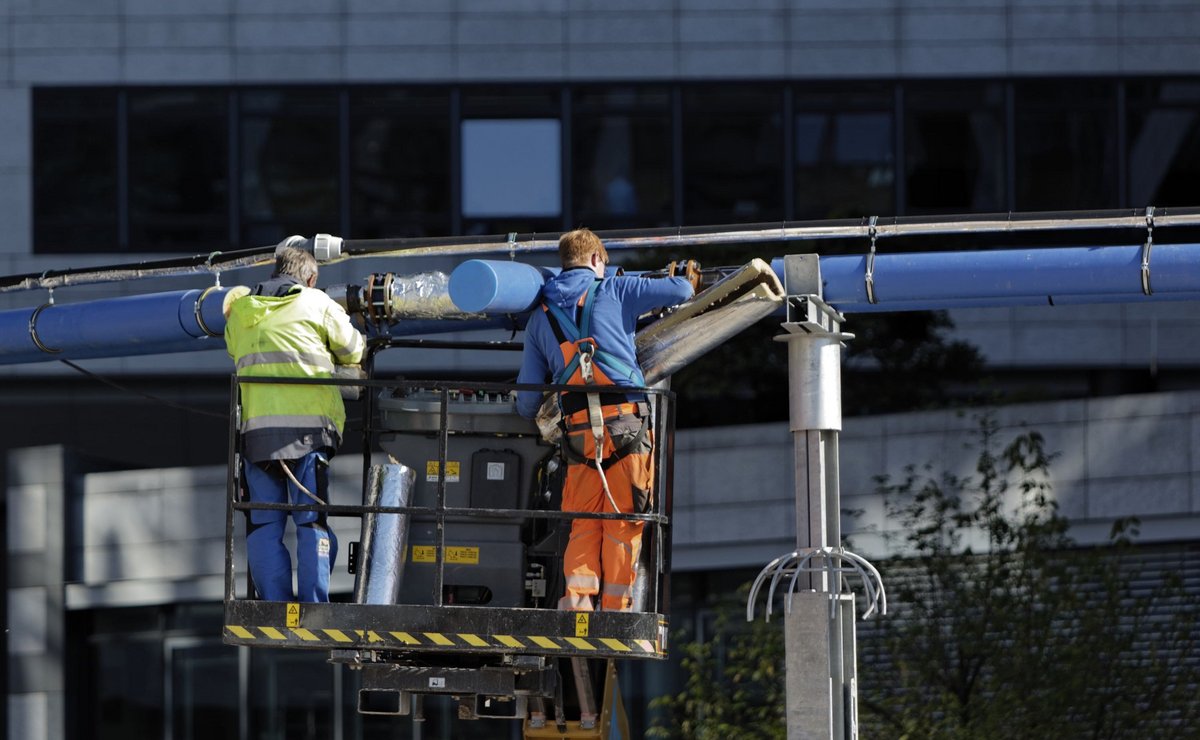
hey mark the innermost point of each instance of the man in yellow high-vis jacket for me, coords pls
(285, 328)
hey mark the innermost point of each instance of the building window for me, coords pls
(844, 151)
(1066, 145)
(511, 159)
(288, 164)
(511, 167)
(732, 154)
(621, 157)
(75, 170)
(178, 170)
(1163, 142)
(400, 160)
(954, 148)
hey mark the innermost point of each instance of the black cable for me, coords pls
(156, 399)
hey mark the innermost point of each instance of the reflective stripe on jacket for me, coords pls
(302, 334)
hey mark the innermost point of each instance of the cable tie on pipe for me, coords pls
(1146, 289)
(512, 246)
(869, 274)
(33, 317)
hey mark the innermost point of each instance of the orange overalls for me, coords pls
(601, 555)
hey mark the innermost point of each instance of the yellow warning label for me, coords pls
(454, 555)
(431, 471)
(581, 625)
(293, 615)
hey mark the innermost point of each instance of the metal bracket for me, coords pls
(33, 330)
(869, 275)
(512, 246)
(835, 562)
(198, 309)
(1146, 289)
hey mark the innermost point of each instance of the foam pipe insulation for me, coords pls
(384, 537)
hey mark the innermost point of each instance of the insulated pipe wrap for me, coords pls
(384, 536)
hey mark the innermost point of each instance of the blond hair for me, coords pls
(576, 248)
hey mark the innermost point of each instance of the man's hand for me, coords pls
(688, 269)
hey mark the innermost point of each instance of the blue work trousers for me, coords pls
(316, 546)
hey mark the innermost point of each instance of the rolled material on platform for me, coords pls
(1009, 277)
(734, 303)
(384, 537)
(135, 325)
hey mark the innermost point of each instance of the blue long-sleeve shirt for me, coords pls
(618, 303)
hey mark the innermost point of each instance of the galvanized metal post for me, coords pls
(819, 626)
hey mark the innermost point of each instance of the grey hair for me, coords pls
(295, 263)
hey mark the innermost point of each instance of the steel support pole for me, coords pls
(819, 627)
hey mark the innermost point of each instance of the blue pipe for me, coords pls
(923, 281)
(135, 325)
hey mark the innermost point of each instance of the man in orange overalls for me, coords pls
(584, 335)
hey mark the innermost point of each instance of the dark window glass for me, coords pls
(204, 691)
(621, 161)
(1163, 142)
(511, 168)
(289, 164)
(128, 702)
(400, 163)
(178, 170)
(1066, 137)
(954, 148)
(291, 694)
(732, 155)
(75, 170)
(844, 152)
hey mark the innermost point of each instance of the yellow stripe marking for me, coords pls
(615, 644)
(406, 638)
(241, 632)
(581, 643)
(272, 633)
(474, 640)
(509, 641)
(439, 639)
(304, 634)
(546, 642)
(338, 635)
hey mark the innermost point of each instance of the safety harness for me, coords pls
(585, 363)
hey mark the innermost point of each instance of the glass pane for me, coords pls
(204, 692)
(1066, 137)
(954, 149)
(511, 167)
(75, 170)
(1164, 143)
(732, 155)
(129, 703)
(399, 163)
(291, 695)
(621, 158)
(289, 164)
(178, 170)
(844, 153)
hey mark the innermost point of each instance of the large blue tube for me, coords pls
(924, 281)
(496, 286)
(136, 325)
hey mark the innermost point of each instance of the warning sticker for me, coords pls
(293, 615)
(581, 624)
(454, 555)
(431, 471)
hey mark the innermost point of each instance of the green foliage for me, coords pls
(1000, 626)
(1003, 628)
(734, 684)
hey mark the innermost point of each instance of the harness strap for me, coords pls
(618, 454)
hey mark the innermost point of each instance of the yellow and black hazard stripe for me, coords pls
(267, 636)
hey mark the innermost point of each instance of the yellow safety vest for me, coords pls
(300, 335)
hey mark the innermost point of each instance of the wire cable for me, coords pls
(151, 397)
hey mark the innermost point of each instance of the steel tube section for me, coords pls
(384, 536)
(924, 280)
